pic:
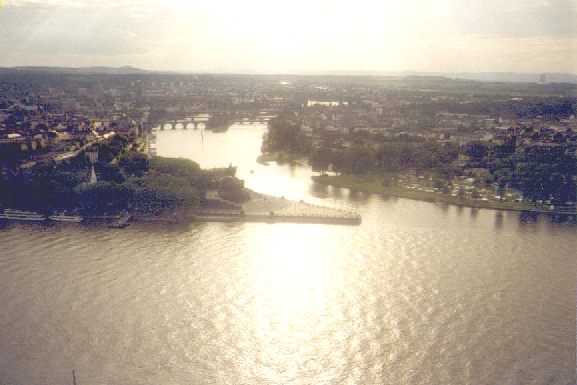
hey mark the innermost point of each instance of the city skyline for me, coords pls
(255, 36)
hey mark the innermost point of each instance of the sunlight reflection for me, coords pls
(291, 298)
(294, 277)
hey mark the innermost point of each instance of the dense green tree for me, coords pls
(157, 192)
(102, 197)
(109, 172)
(358, 160)
(284, 136)
(320, 159)
(134, 164)
(477, 150)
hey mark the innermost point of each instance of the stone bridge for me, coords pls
(192, 122)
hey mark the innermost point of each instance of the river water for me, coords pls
(420, 293)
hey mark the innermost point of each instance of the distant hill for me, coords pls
(501, 77)
(127, 70)
(506, 77)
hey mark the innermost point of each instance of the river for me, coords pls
(420, 293)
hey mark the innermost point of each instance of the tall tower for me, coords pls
(139, 89)
(543, 79)
(93, 178)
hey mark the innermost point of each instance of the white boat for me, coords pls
(19, 215)
(65, 218)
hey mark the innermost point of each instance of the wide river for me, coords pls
(420, 293)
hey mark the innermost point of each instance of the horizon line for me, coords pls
(290, 72)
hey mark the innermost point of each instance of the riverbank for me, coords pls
(281, 157)
(373, 184)
(259, 208)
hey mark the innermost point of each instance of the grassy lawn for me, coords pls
(372, 183)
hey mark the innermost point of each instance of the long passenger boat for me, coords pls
(19, 215)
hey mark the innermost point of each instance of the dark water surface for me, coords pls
(420, 293)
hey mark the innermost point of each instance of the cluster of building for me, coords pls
(322, 120)
(58, 114)
(54, 124)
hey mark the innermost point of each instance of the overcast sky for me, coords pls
(293, 36)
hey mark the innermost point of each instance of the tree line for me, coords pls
(390, 156)
(135, 183)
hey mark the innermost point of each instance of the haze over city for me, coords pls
(293, 36)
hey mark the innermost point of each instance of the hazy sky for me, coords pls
(292, 36)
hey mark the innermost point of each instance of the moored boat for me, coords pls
(19, 215)
(66, 218)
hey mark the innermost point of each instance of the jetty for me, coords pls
(263, 218)
(269, 209)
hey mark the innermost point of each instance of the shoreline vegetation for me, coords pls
(130, 186)
(281, 157)
(373, 183)
(525, 168)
